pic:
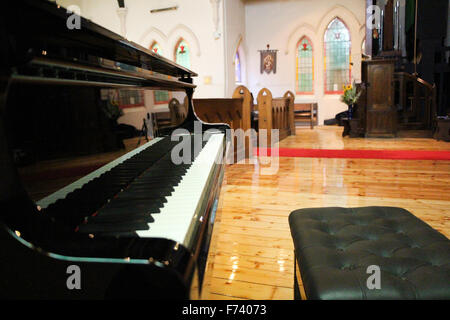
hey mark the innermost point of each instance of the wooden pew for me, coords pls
(241, 92)
(227, 111)
(276, 113)
(306, 112)
(235, 112)
(290, 95)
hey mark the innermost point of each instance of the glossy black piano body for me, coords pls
(37, 250)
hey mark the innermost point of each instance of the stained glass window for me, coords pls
(161, 96)
(337, 57)
(305, 67)
(183, 54)
(237, 68)
(156, 48)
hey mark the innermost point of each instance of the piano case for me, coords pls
(71, 244)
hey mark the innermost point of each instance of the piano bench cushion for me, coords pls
(334, 248)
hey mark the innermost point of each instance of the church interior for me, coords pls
(331, 119)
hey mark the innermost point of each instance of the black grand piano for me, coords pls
(85, 211)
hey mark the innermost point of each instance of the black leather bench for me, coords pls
(335, 246)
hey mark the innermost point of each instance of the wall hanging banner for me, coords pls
(268, 61)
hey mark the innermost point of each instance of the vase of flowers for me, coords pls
(350, 97)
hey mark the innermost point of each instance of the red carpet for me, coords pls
(359, 154)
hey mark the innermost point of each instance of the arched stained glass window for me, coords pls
(305, 67)
(237, 68)
(183, 54)
(156, 48)
(337, 57)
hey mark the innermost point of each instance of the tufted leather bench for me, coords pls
(335, 246)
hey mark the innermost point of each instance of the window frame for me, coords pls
(136, 105)
(169, 97)
(238, 58)
(177, 45)
(297, 74)
(340, 90)
(153, 44)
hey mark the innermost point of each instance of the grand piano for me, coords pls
(77, 198)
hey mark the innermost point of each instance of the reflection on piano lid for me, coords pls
(75, 190)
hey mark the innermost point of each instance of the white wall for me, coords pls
(234, 35)
(193, 21)
(281, 24)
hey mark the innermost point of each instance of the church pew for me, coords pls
(276, 113)
(290, 95)
(306, 113)
(233, 111)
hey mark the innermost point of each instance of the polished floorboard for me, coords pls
(251, 254)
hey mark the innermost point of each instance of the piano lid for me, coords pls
(37, 28)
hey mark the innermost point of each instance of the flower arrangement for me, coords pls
(350, 95)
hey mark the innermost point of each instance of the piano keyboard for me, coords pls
(62, 193)
(86, 196)
(161, 202)
(183, 205)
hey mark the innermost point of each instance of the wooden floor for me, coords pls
(251, 255)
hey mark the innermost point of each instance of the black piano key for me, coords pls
(126, 226)
(145, 191)
(126, 202)
(130, 209)
(143, 183)
(96, 193)
(120, 218)
(129, 234)
(130, 193)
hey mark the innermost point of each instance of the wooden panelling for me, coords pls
(381, 113)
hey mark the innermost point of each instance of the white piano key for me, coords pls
(182, 205)
(61, 193)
